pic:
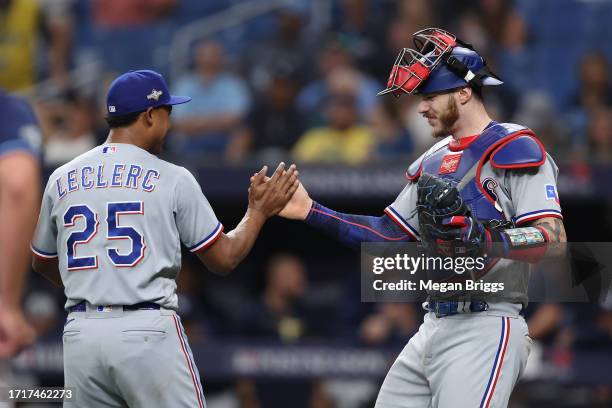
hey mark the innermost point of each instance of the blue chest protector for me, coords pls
(503, 145)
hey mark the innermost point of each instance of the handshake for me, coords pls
(282, 194)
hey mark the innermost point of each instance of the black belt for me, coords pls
(82, 307)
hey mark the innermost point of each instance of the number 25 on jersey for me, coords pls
(115, 231)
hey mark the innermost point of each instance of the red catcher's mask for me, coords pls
(413, 66)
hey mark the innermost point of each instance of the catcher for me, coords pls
(484, 189)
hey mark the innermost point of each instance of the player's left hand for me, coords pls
(15, 332)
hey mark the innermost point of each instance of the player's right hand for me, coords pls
(15, 332)
(269, 196)
(299, 206)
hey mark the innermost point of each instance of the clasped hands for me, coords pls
(281, 194)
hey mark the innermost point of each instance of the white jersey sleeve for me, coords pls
(44, 243)
(534, 193)
(403, 211)
(196, 222)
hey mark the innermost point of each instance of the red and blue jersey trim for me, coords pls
(399, 220)
(497, 364)
(534, 215)
(209, 240)
(43, 254)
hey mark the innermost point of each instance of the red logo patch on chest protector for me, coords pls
(450, 163)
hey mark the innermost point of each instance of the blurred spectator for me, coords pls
(593, 92)
(594, 89)
(336, 69)
(392, 139)
(69, 125)
(220, 102)
(195, 314)
(129, 13)
(492, 12)
(274, 124)
(343, 140)
(513, 59)
(287, 51)
(536, 112)
(44, 315)
(320, 396)
(399, 37)
(392, 325)
(472, 30)
(416, 14)
(599, 134)
(545, 321)
(360, 28)
(411, 16)
(247, 394)
(24, 23)
(279, 314)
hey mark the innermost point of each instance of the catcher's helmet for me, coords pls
(441, 62)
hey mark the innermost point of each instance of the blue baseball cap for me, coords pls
(137, 91)
(444, 78)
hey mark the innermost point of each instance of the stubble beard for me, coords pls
(447, 119)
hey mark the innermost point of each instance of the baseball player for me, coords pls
(110, 231)
(497, 187)
(20, 140)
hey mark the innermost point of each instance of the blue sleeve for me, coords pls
(352, 229)
(20, 129)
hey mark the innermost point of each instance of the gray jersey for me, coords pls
(115, 218)
(523, 196)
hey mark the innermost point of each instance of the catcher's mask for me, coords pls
(439, 62)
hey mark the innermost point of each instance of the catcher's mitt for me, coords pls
(437, 201)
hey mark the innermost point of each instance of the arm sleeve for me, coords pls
(196, 221)
(352, 229)
(20, 130)
(403, 211)
(44, 243)
(534, 193)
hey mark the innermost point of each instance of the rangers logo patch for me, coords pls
(450, 163)
(551, 193)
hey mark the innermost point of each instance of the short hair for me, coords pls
(477, 91)
(122, 120)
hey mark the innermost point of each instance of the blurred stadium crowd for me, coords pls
(303, 78)
(298, 81)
